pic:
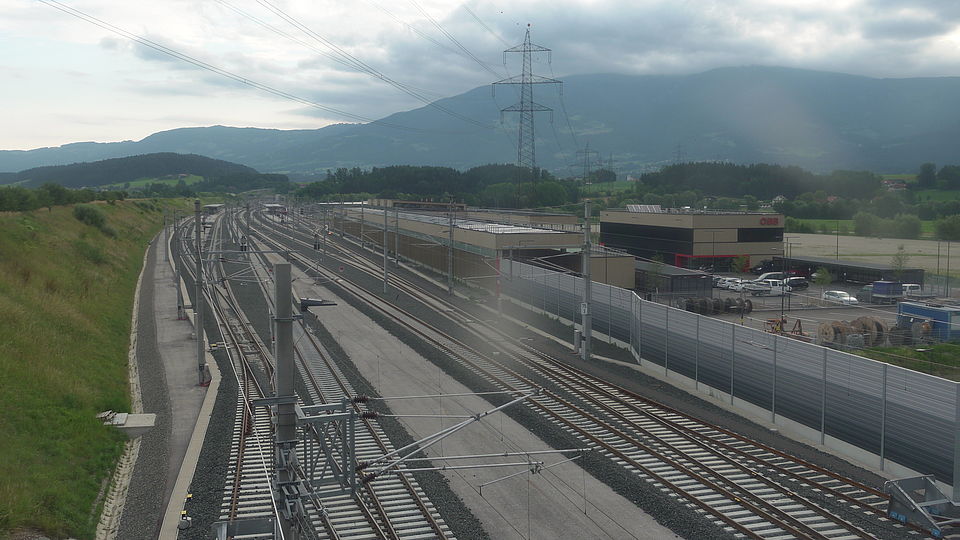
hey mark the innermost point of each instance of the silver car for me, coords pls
(839, 297)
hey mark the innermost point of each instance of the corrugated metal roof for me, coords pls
(794, 259)
(471, 224)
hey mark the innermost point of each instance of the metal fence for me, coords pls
(895, 413)
(940, 285)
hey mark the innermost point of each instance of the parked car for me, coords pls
(914, 291)
(796, 284)
(734, 284)
(839, 297)
(726, 282)
(764, 287)
(764, 266)
(771, 275)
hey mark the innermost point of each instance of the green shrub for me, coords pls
(906, 226)
(91, 215)
(948, 228)
(794, 225)
(866, 224)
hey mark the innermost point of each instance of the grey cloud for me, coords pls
(901, 28)
(110, 43)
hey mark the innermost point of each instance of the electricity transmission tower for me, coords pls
(526, 148)
(586, 162)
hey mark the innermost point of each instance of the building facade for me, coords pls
(694, 238)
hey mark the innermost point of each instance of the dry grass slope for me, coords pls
(66, 294)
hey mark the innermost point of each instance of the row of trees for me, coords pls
(948, 177)
(901, 226)
(497, 186)
(761, 180)
(228, 183)
(21, 199)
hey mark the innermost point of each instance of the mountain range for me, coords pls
(817, 120)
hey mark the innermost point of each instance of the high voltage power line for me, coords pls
(483, 24)
(214, 69)
(345, 58)
(459, 45)
(364, 67)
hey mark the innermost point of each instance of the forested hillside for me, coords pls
(126, 169)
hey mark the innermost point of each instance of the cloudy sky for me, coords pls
(67, 80)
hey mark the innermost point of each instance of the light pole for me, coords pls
(713, 250)
(786, 276)
(838, 239)
(198, 300)
(585, 314)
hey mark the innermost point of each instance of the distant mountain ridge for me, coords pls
(125, 169)
(817, 120)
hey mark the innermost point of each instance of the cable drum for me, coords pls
(826, 334)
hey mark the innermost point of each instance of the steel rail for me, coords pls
(806, 480)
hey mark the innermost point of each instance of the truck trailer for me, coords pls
(942, 320)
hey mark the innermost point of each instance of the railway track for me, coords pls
(749, 488)
(394, 509)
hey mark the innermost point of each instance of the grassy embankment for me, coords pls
(141, 182)
(66, 296)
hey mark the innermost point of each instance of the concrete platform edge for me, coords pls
(171, 516)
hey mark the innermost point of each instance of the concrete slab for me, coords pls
(133, 425)
(562, 502)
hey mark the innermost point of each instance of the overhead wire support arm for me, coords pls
(407, 452)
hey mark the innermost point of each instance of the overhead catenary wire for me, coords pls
(362, 66)
(417, 31)
(215, 69)
(454, 40)
(484, 25)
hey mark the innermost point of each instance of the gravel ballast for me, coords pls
(639, 383)
(143, 510)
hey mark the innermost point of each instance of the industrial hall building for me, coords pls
(691, 238)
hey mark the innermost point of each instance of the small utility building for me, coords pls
(663, 279)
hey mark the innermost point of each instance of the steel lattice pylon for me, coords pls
(526, 147)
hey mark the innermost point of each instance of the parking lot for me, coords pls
(805, 306)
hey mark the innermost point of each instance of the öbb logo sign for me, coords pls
(769, 221)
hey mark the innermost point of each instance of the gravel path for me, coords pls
(144, 506)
